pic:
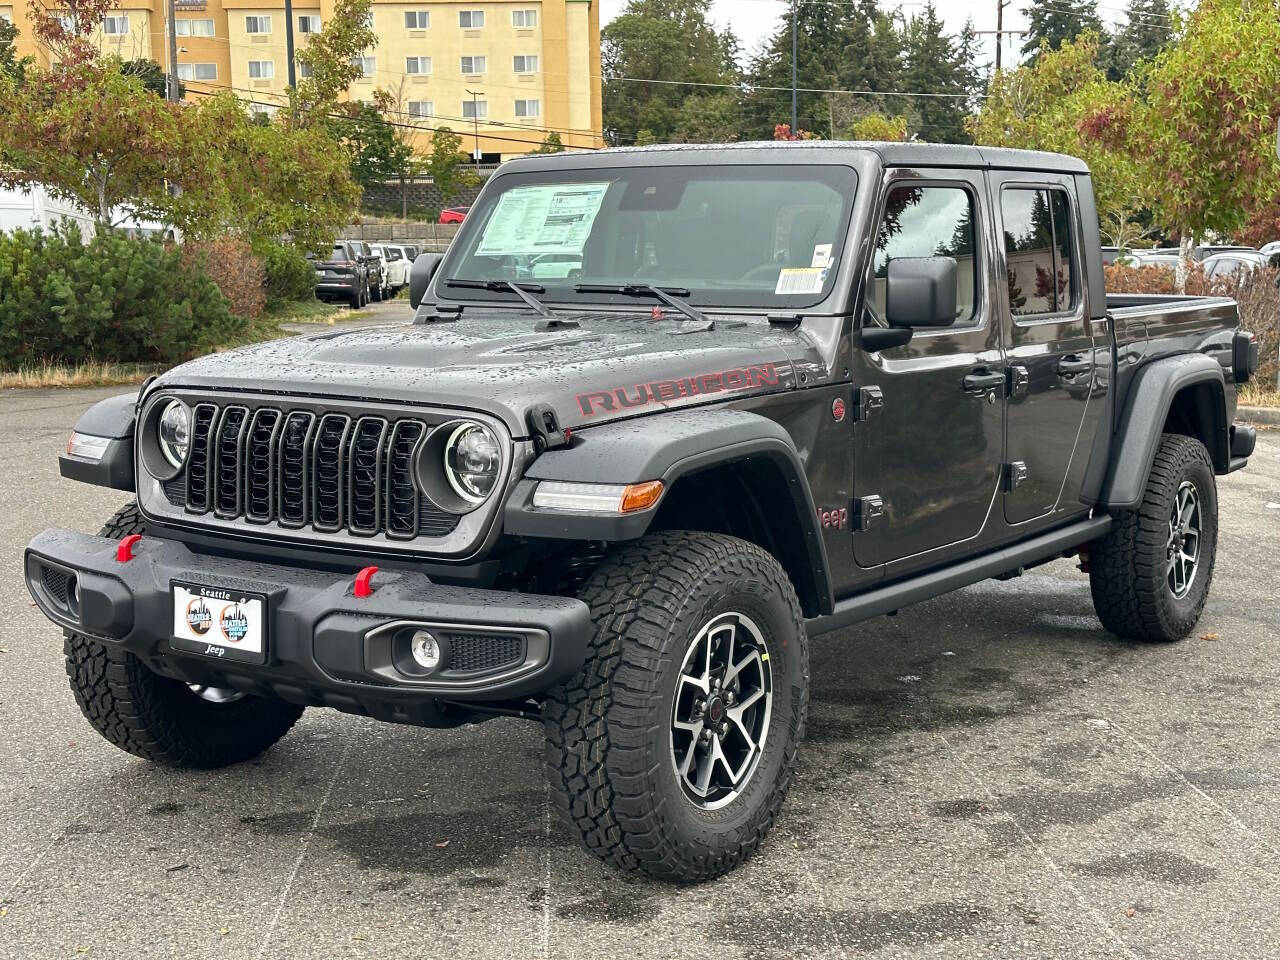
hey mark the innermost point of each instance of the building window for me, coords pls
(367, 65)
(524, 19)
(473, 65)
(263, 109)
(257, 24)
(416, 66)
(525, 64)
(416, 20)
(527, 108)
(309, 23)
(193, 28)
(471, 19)
(475, 109)
(262, 69)
(422, 108)
(198, 71)
(304, 70)
(115, 25)
(7, 15)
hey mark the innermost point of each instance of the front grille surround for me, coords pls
(338, 474)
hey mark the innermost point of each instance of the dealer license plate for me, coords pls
(217, 622)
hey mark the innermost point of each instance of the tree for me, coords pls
(1063, 102)
(1147, 30)
(331, 55)
(551, 144)
(1052, 23)
(377, 154)
(152, 76)
(97, 137)
(1206, 135)
(10, 66)
(937, 63)
(66, 29)
(715, 118)
(878, 127)
(448, 167)
(661, 40)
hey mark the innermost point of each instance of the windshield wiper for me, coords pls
(666, 294)
(521, 290)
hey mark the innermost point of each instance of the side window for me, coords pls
(929, 222)
(1039, 249)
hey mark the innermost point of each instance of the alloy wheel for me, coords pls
(1182, 549)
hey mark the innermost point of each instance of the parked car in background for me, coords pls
(397, 263)
(1270, 249)
(343, 275)
(36, 209)
(1154, 258)
(1235, 266)
(453, 214)
(1111, 254)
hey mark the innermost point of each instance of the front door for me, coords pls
(928, 453)
(1053, 365)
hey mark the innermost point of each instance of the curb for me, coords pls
(1268, 416)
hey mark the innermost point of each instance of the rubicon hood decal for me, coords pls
(620, 399)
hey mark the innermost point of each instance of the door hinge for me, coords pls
(867, 402)
(1014, 475)
(1019, 381)
(866, 511)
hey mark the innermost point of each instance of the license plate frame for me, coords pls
(219, 622)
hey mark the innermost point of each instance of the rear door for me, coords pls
(928, 448)
(1055, 364)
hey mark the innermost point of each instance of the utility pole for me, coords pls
(288, 41)
(793, 67)
(475, 119)
(999, 32)
(171, 28)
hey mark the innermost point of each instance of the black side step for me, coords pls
(884, 600)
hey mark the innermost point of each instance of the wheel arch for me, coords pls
(723, 471)
(1184, 395)
(113, 419)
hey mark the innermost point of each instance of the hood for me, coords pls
(613, 365)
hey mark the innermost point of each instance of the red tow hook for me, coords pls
(124, 552)
(364, 582)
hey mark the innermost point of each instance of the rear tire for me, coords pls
(630, 737)
(159, 718)
(1150, 575)
(375, 293)
(354, 300)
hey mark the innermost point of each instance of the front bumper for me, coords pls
(325, 646)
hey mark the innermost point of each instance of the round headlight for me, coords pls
(174, 433)
(472, 459)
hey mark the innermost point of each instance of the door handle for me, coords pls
(983, 380)
(1072, 364)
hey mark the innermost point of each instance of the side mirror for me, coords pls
(921, 292)
(420, 274)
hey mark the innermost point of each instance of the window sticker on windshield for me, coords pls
(793, 281)
(542, 219)
(821, 255)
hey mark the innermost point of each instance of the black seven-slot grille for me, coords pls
(329, 471)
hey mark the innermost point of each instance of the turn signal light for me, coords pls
(641, 496)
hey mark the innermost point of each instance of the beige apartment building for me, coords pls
(503, 75)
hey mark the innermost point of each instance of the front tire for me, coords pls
(1150, 575)
(161, 719)
(672, 751)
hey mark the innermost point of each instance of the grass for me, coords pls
(1259, 394)
(98, 373)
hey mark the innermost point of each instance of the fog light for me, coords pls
(425, 650)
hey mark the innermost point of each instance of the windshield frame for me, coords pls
(844, 176)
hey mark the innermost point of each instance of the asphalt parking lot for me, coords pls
(986, 775)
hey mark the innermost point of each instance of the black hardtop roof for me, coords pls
(813, 151)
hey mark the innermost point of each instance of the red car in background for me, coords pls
(453, 214)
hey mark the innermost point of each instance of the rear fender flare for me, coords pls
(1156, 387)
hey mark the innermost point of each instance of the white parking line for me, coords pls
(306, 843)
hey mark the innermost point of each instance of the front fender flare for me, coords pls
(1142, 423)
(113, 418)
(663, 447)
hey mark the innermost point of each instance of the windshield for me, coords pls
(747, 236)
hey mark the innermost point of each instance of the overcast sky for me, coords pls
(754, 20)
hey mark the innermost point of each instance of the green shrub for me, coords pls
(111, 298)
(289, 275)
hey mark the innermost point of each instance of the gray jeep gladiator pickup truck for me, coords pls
(663, 416)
